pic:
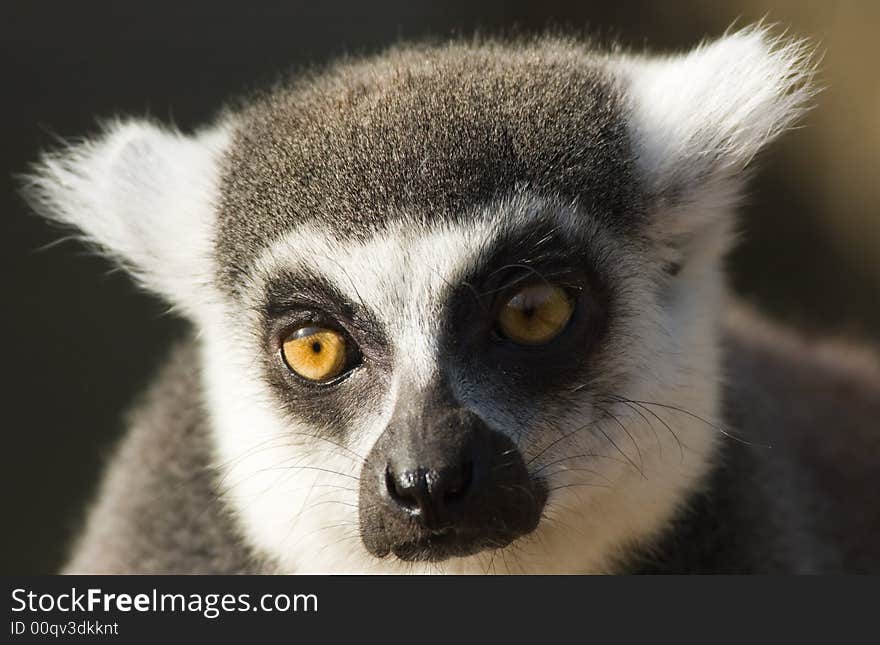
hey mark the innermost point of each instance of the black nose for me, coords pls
(434, 495)
(440, 483)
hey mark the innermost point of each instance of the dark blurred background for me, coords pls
(81, 341)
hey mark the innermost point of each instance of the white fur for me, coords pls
(145, 195)
(706, 113)
(696, 120)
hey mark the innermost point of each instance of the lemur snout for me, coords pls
(440, 483)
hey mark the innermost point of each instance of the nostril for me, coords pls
(400, 492)
(457, 487)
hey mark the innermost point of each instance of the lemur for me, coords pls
(460, 307)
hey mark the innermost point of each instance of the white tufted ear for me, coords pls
(697, 119)
(144, 195)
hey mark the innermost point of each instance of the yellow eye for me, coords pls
(315, 353)
(536, 315)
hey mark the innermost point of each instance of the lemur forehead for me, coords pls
(422, 263)
(424, 135)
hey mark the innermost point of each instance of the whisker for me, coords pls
(333, 501)
(553, 443)
(628, 434)
(623, 454)
(708, 423)
(586, 470)
(584, 485)
(580, 456)
(318, 468)
(649, 424)
(630, 403)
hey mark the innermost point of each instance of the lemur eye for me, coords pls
(315, 353)
(536, 315)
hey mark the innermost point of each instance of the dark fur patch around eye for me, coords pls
(299, 296)
(481, 360)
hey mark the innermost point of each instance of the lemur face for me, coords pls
(456, 305)
(440, 374)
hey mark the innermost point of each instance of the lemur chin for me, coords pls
(460, 308)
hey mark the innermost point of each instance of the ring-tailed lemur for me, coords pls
(461, 308)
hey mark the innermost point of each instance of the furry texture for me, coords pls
(395, 184)
(795, 494)
(425, 135)
(705, 114)
(158, 510)
(803, 505)
(142, 194)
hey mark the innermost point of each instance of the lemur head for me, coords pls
(456, 305)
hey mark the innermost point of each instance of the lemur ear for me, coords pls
(142, 194)
(697, 119)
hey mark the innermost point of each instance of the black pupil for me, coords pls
(316, 347)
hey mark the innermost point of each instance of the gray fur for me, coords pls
(427, 133)
(800, 495)
(157, 510)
